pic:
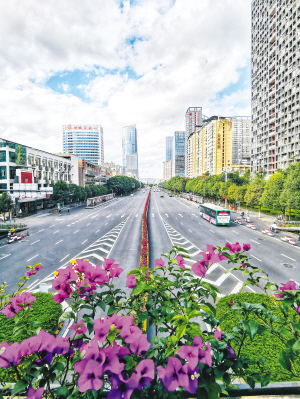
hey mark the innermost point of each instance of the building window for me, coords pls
(12, 157)
(2, 156)
(3, 186)
(3, 172)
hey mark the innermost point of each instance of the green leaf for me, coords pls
(180, 331)
(296, 346)
(251, 382)
(284, 360)
(102, 305)
(141, 315)
(62, 391)
(111, 310)
(66, 315)
(251, 328)
(60, 366)
(296, 327)
(265, 380)
(19, 386)
(129, 362)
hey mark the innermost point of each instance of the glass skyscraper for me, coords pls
(84, 141)
(169, 148)
(179, 154)
(130, 152)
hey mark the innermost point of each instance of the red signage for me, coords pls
(26, 177)
(223, 197)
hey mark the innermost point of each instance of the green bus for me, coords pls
(215, 214)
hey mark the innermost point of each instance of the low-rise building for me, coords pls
(92, 173)
(116, 170)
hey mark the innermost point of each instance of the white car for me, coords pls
(131, 195)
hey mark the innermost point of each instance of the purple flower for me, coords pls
(246, 247)
(180, 261)
(79, 328)
(218, 334)
(11, 355)
(101, 329)
(92, 350)
(63, 278)
(35, 393)
(192, 384)
(17, 303)
(111, 362)
(159, 262)
(145, 370)
(210, 256)
(140, 345)
(203, 354)
(231, 352)
(31, 272)
(115, 271)
(108, 263)
(298, 309)
(89, 375)
(289, 286)
(121, 388)
(131, 281)
(190, 354)
(199, 268)
(130, 334)
(38, 267)
(174, 375)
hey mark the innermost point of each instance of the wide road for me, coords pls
(112, 230)
(174, 221)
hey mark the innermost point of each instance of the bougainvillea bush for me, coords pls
(144, 253)
(106, 351)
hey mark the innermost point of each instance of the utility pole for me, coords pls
(226, 170)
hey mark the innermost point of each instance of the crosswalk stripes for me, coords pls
(95, 252)
(227, 283)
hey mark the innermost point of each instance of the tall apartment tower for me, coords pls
(85, 141)
(178, 164)
(169, 148)
(130, 152)
(193, 120)
(275, 84)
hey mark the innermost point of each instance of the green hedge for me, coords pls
(44, 309)
(265, 345)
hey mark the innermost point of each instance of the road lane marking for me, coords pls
(153, 215)
(167, 215)
(75, 231)
(211, 231)
(105, 224)
(200, 224)
(32, 258)
(181, 223)
(97, 231)
(84, 241)
(234, 232)
(288, 257)
(56, 232)
(194, 214)
(64, 258)
(40, 231)
(32, 284)
(136, 215)
(4, 256)
(256, 258)
(108, 216)
(52, 226)
(123, 215)
(58, 242)
(69, 225)
(35, 242)
(255, 241)
(180, 215)
(190, 230)
(88, 224)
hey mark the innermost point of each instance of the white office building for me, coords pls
(167, 170)
(85, 141)
(193, 121)
(275, 84)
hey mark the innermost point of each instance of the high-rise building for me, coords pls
(169, 148)
(193, 120)
(221, 142)
(178, 164)
(275, 84)
(84, 141)
(130, 152)
(167, 170)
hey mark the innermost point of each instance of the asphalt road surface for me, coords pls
(175, 221)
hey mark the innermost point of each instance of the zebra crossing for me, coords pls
(95, 252)
(227, 283)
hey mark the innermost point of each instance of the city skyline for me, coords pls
(84, 74)
(130, 151)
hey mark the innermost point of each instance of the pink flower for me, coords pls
(199, 269)
(140, 346)
(131, 281)
(180, 261)
(231, 302)
(289, 286)
(278, 296)
(115, 271)
(233, 247)
(243, 265)
(218, 335)
(107, 263)
(35, 393)
(16, 303)
(190, 354)
(210, 256)
(31, 272)
(298, 309)
(79, 328)
(159, 262)
(246, 247)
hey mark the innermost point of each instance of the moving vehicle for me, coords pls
(289, 239)
(215, 214)
(251, 226)
(269, 232)
(161, 195)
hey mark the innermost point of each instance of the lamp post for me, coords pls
(226, 170)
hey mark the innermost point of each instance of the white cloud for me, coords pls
(187, 53)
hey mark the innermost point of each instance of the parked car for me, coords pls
(289, 239)
(251, 226)
(268, 232)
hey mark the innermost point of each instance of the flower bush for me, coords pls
(144, 254)
(112, 353)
